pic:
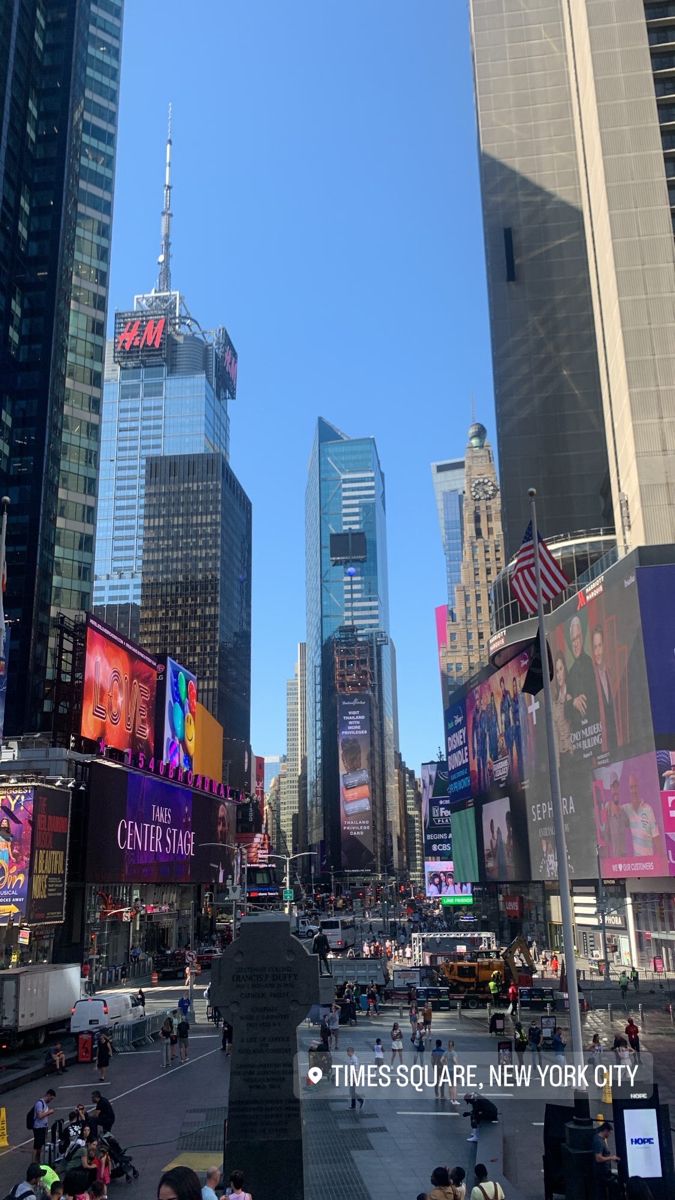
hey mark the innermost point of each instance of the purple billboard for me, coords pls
(356, 788)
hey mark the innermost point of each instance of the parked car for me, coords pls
(103, 1011)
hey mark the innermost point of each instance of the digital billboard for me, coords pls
(602, 721)
(180, 730)
(465, 847)
(628, 813)
(140, 337)
(356, 798)
(437, 826)
(144, 829)
(16, 826)
(49, 857)
(120, 691)
(457, 747)
(208, 756)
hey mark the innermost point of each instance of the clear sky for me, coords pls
(327, 212)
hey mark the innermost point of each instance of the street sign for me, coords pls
(288, 893)
(447, 901)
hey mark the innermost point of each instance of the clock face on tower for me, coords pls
(484, 488)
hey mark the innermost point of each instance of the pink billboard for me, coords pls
(628, 814)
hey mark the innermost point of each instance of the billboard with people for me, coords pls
(356, 796)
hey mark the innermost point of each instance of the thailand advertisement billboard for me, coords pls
(120, 691)
(144, 829)
(604, 738)
(16, 828)
(49, 857)
(356, 797)
(180, 726)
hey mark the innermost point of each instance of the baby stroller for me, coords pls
(122, 1164)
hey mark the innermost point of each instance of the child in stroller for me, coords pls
(121, 1163)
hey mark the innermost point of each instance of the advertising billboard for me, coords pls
(179, 736)
(49, 857)
(144, 829)
(356, 799)
(439, 875)
(140, 338)
(4, 664)
(465, 846)
(603, 731)
(208, 756)
(16, 826)
(120, 691)
(457, 747)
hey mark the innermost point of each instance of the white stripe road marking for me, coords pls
(121, 1095)
(400, 1113)
(537, 1122)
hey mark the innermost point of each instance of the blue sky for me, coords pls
(327, 212)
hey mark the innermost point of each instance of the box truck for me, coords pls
(35, 1000)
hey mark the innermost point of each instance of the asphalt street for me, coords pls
(389, 1147)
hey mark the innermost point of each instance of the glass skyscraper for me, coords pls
(448, 479)
(348, 619)
(171, 402)
(59, 80)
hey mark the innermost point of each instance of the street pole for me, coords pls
(602, 910)
(288, 884)
(192, 964)
(4, 506)
(556, 801)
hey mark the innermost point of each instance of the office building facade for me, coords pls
(196, 590)
(576, 101)
(448, 480)
(60, 68)
(348, 622)
(293, 782)
(468, 626)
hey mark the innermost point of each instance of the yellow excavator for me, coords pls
(472, 979)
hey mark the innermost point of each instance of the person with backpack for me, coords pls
(30, 1188)
(37, 1119)
(486, 1189)
(183, 1031)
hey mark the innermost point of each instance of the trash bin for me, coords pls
(85, 1047)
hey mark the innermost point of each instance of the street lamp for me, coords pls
(288, 859)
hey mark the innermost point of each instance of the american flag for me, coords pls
(523, 579)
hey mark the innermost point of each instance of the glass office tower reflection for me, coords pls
(348, 615)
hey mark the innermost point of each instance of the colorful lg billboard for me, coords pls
(120, 691)
(356, 799)
(179, 739)
(34, 853)
(146, 830)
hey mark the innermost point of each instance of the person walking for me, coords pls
(520, 1042)
(452, 1061)
(165, 1035)
(443, 1187)
(485, 1188)
(427, 1016)
(236, 1190)
(333, 1022)
(353, 1066)
(183, 1032)
(558, 1048)
(103, 1055)
(419, 1043)
(554, 964)
(513, 998)
(602, 1161)
(413, 1017)
(396, 1043)
(623, 984)
(378, 1052)
(633, 1035)
(635, 978)
(213, 1177)
(534, 1040)
(439, 1059)
(226, 1041)
(42, 1111)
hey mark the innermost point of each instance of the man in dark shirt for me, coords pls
(602, 1162)
(482, 1110)
(103, 1112)
(581, 679)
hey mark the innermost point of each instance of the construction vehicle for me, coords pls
(471, 979)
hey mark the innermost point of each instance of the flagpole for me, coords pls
(4, 506)
(558, 818)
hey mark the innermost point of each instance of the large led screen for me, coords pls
(465, 860)
(16, 827)
(143, 829)
(181, 727)
(49, 857)
(120, 691)
(356, 788)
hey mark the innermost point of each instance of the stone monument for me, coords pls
(265, 984)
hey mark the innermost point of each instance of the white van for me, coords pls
(340, 931)
(103, 1011)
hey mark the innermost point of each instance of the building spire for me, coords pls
(164, 259)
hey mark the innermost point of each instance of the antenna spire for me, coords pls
(164, 259)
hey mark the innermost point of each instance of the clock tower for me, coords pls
(468, 628)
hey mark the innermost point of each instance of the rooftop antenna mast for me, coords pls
(164, 260)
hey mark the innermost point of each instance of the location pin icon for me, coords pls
(315, 1074)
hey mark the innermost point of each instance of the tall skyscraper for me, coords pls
(292, 787)
(448, 479)
(468, 628)
(167, 388)
(59, 75)
(196, 594)
(575, 106)
(352, 725)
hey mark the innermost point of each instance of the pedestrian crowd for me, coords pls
(182, 1183)
(84, 1155)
